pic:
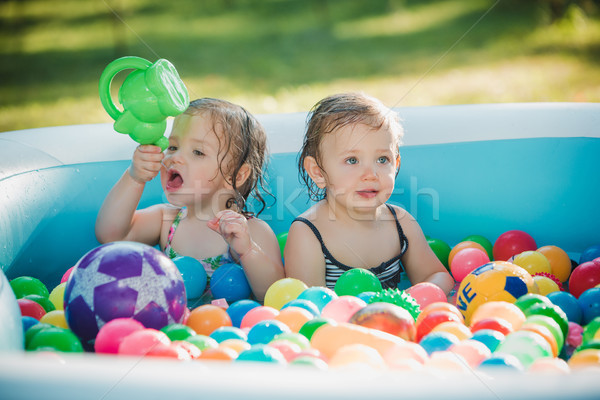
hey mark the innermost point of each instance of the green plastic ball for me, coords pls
(55, 338)
(484, 242)
(24, 285)
(355, 281)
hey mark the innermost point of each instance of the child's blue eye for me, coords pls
(383, 160)
(351, 160)
(172, 148)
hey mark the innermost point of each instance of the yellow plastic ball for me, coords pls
(533, 262)
(57, 296)
(545, 285)
(283, 291)
(56, 318)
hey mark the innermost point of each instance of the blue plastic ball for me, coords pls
(238, 309)
(261, 353)
(306, 304)
(264, 331)
(229, 282)
(502, 361)
(28, 322)
(589, 301)
(366, 296)
(490, 337)
(193, 274)
(228, 332)
(438, 341)
(319, 295)
(569, 304)
(590, 254)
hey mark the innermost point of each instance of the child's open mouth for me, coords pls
(174, 180)
(368, 194)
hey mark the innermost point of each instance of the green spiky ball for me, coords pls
(399, 298)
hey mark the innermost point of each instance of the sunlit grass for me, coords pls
(284, 55)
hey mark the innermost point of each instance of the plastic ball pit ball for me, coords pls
(56, 338)
(123, 280)
(484, 242)
(494, 281)
(533, 262)
(589, 301)
(319, 295)
(113, 332)
(585, 276)
(465, 261)
(257, 314)
(206, 318)
(355, 281)
(228, 333)
(229, 282)
(425, 325)
(388, 318)
(590, 253)
(559, 260)
(142, 342)
(342, 308)
(294, 317)
(461, 246)
(262, 353)
(193, 275)
(31, 308)
(568, 303)
(511, 243)
(238, 310)
(526, 346)
(426, 293)
(264, 331)
(24, 285)
(178, 331)
(500, 309)
(282, 291)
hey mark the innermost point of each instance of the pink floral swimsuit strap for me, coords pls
(168, 249)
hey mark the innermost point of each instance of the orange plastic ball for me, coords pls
(500, 309)
(220, 353)
(559, 260)
(207, 318)
(294, 317)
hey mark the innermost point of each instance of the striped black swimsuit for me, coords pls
(388, 272)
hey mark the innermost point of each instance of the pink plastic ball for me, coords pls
(466, 260)
(258, 314)
(66, 275)
(142, 342)
(512, 242)
(473, 351)
(426, 293)
(342, 308)
(113, 332)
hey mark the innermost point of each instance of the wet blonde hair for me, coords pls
(335, 112)
(245, 140)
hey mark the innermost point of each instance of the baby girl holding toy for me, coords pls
(349, 161)
(213, 163)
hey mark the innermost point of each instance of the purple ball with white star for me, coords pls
(123, 280)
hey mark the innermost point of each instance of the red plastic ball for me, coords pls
(585, 276)
(465, 261)
(511, 243)
(31, 308)
(497, 324)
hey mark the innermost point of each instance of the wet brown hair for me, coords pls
(337, 111)
(245, 139)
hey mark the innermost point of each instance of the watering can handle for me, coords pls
(112, 69)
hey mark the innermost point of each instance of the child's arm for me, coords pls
(117, 218)
(420, 262)
(303, 256)
(255, 244)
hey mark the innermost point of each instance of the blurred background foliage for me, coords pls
(284, 55)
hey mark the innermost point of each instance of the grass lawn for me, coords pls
(284, 55)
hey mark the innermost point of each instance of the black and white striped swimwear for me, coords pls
(388, 272)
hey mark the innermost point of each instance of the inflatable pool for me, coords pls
(476, 169)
